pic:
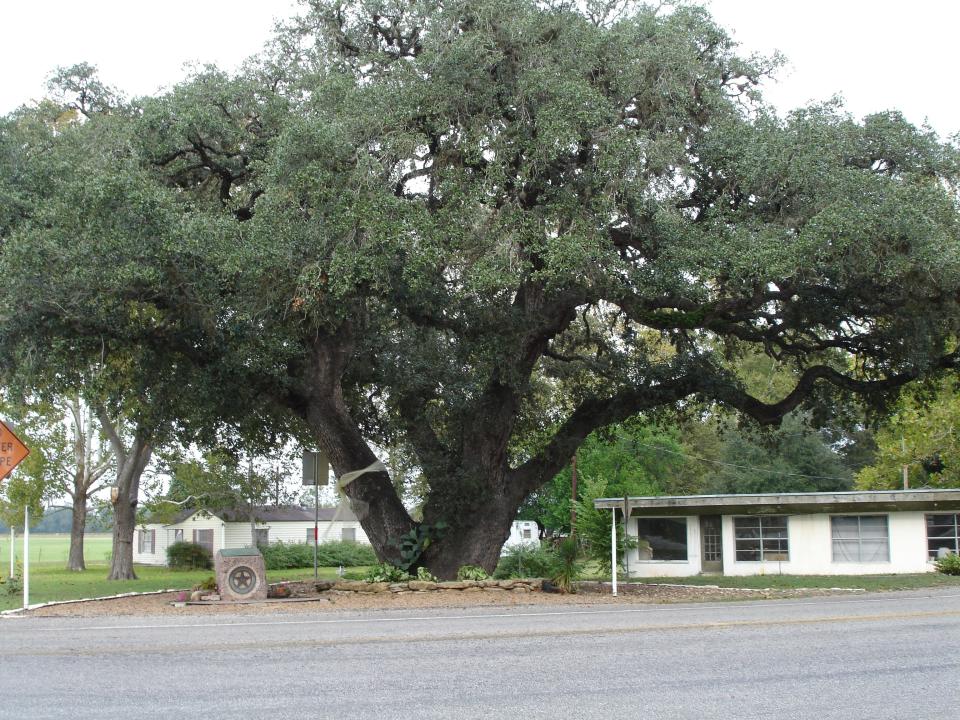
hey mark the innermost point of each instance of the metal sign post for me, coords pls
(315, 467)
(26, 556)
(12, 453)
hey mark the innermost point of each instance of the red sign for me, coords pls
(12, 450)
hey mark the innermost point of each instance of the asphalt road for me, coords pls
(891, 655)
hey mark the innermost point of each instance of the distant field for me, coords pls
(53, 549)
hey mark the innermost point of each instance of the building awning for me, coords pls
(789, 503)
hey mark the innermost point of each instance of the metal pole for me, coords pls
(316, 524)
(26, 556)
(13, 554)
(613, 549)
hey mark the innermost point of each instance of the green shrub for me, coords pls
(283, 556)
(14, 583)
(412, 544)
(472, 572)
(948, 564)
(188, 556)
(209, 584)
(425, 575)
(525, 562)
(568, 568)
(385, 572)
(346, 553)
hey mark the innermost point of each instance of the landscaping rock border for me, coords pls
(422, 586)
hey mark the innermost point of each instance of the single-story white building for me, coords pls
(825, 533)
(219, 529)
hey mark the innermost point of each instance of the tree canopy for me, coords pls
(479, 230)
(920, 435)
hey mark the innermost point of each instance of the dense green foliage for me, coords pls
(521, 561)
(948, 565)
(568, 564)
(633, 459)
(922, 434)
(593, 526)
(477, 231)
(792, 458)
(385, 572)
(188, 556)
(279, 556)
(471, 572)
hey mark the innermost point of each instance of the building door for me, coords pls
(711, 544)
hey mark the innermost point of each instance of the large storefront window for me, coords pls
(942, 535)
(667, 538)
(761, 538)
(860, 538)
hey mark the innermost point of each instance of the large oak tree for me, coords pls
(480, 230)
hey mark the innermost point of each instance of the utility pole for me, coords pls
(573, 496)
(906, 468)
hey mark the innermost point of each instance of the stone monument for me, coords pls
(241, 574)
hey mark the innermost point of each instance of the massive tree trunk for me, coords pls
(131, 463)
(475, 538)
(372, 496)
(78, 524)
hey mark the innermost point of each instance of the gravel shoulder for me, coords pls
(307, 601)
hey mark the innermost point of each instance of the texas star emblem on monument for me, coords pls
(12, 450)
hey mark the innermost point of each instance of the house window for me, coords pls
(204, 538)
(311, 535)
(262, 536)
(761, 537)
(526, 533)
(146, 541)
(348, 534)
(178, 535)
(860, 538)
(667, 538)
(942, 535)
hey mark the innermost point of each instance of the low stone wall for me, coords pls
(494, 586)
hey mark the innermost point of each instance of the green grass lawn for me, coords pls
(50, 581)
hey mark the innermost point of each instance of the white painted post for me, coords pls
(26, 556)
(13, 554)
(613, 549)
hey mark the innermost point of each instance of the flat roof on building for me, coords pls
(789, 503)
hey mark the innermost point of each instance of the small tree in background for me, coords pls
(593, 525)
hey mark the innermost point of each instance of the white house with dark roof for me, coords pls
(220, 529)
(824, 533)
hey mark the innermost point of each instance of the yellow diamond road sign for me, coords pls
(12, 450)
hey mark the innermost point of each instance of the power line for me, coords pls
(742, 467)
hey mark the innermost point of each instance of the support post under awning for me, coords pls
(613, 550)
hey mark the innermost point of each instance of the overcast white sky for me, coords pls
(878, 54)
